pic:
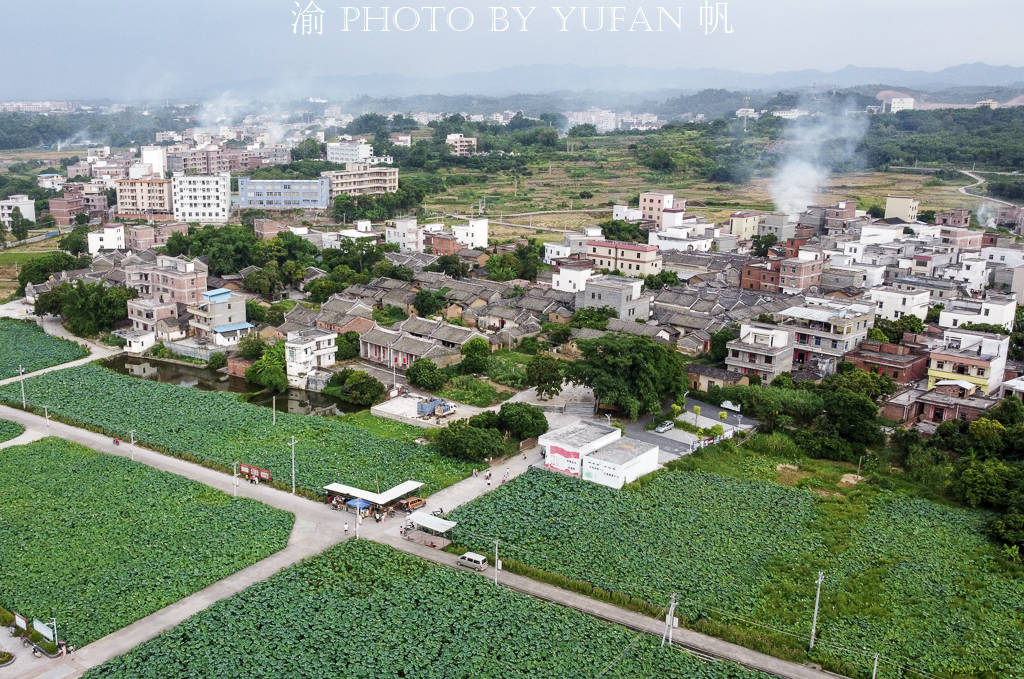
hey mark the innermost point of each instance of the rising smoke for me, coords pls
(813, 148)
(986, 215)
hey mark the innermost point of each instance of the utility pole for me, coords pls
(859, 460)
(495, 562)
(874, 672)
(293, 465)
(234, 479)
(273, 408)
(132, 433)
(21, 372)
(666, 636)
(54, 630)
(46, 414)
(817, 599)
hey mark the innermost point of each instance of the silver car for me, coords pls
(664, 426)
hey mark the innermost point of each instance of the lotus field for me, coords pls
(10, 430)
(914, 581)
(363, 610)
(98, 541)
(217, 429)
(23, 343)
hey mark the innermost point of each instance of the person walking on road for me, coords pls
(346, 528)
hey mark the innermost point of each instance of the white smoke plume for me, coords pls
(986, 215)
(813, 149)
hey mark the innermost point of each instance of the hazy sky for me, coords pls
(178, 48)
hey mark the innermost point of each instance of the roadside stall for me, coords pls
(377, 505)
(427, 529)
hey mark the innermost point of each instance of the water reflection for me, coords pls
(298, 401)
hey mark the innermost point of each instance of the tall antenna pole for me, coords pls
(666, 636)
(21, 372)
(495, 562)
(817, 599)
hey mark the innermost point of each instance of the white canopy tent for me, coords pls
(431, 522)
(380, 499)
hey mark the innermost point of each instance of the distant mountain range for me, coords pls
(550, 78)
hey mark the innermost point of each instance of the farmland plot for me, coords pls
(10, 430)
(903, 576)
(364, 610)
(23, 343)
(217, 429)
(98, 541)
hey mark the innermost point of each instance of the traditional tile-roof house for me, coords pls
(703, 377)
(398, 349)
(473, 257)
(414, 260)
(664, 334)
(446, 334)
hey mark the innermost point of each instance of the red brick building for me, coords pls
(760, 275)
(901, 363)
(63, 210)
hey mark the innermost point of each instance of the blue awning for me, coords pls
(358, 503)
(232, 327)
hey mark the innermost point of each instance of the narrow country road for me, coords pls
(978, 181)
(316, 529)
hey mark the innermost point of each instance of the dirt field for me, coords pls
(560, 189)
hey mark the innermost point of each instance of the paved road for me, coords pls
(318, 528)
(688, 639)
(978, 181)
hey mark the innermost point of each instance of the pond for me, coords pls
(298, 401)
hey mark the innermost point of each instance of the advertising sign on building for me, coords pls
(560, 459)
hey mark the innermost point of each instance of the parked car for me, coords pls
(664, 426)
(477, 562)
(411, 504)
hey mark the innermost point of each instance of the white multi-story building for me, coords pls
(23, 203)
(408, 234)
(201, 198)
(625, 213)
(473, 234)
(460, 145)
(893, 304)
(553, 251)
(971, 356)
(110, 237)
(992, 309)
(307, 351)
(50, 180)
(762, 349)
(571, 275)
(995, 255)
(156, 157)
(355, 151)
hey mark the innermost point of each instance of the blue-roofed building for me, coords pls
(284, 194)
(219, 318)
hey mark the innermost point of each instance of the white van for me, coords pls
(477, 562)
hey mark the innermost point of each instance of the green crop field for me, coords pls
(98, 541)
(10, 430)
(218, 429)
(363, 610)
(903, 576)
(23, 343)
